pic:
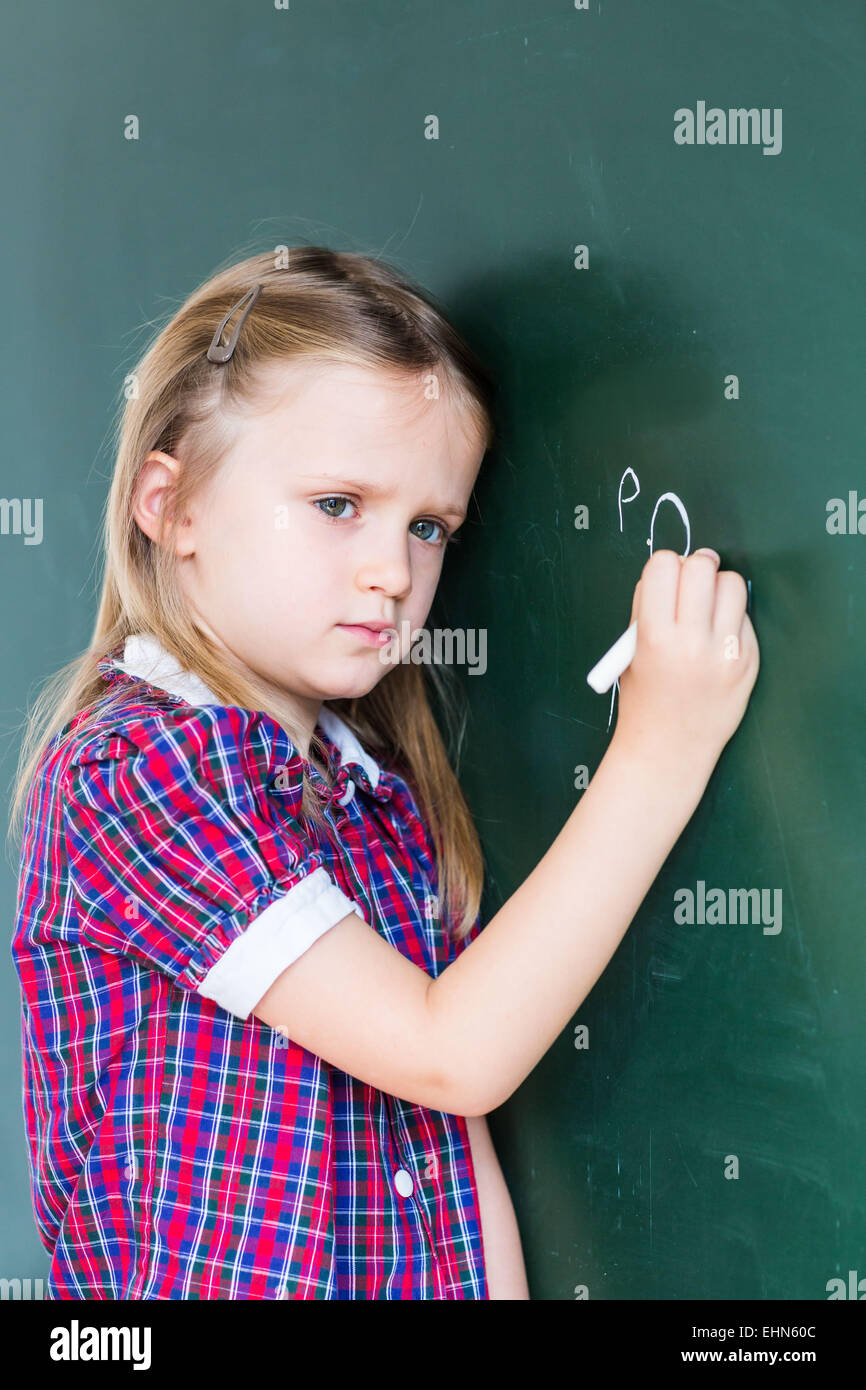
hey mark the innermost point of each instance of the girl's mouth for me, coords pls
(368, 635)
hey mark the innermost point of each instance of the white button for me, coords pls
(403, 1182)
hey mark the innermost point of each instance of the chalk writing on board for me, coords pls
(665, 497)
(619, 497)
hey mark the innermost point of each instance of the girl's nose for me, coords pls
(387, 568)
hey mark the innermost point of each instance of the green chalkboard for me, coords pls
(652, 298)
(706, 1042)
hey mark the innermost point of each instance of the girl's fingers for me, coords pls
(731, 598)
(691, 589)
(657, 599)
(697, 591)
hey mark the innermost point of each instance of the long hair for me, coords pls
(337, 306)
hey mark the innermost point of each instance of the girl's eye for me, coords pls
(444, 536)
(324, 503)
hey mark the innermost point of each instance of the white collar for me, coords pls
(145, 658)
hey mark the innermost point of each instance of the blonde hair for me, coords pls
(319, 303)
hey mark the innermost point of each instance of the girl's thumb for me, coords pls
(635, 603)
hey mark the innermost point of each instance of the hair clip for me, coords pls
(217, 352)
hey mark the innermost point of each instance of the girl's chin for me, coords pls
(351, 685)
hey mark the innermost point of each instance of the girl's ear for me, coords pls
(156, 478)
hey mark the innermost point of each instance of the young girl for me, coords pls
(262, 1024)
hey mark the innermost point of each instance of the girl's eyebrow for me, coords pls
(373, 490)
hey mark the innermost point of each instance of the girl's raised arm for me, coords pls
(463, 1042)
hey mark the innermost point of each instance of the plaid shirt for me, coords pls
(178, 1146)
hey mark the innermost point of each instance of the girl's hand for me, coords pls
(694, 667)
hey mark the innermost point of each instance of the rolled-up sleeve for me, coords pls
(178, 858)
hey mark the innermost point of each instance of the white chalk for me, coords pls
(614, 662)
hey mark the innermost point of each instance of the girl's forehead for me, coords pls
(335, 395)
(291, 377)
